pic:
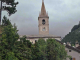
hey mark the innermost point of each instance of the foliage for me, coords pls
(73, 36)
(13, 47)
(5, 21)
(75, 27)
(10, 6)
(49, 50)
(9, 37)
(55, 50)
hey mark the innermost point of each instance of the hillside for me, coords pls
(73, 36)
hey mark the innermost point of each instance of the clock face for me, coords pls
(44, 29)
(43, 21)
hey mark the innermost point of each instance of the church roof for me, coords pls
(69, 47)
(78, 47)
(42, 36)
(43, 10)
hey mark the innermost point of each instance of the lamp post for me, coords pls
(0, 10)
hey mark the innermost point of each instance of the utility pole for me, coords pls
(0, 11)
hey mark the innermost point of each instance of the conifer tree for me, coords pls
(7, 41)
(10, 7)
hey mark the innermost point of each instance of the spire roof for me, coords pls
(42, 0)
(43, 11)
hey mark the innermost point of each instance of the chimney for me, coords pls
(68, 44)
(76, 44)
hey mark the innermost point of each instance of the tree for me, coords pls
(48, 50)
(10, 47)
(23, 49)
(10, 7)
(55, 50)
(39, 50)
(5, 21)
(43, 49)
(7, 42)
(35, 51)
(73, 36)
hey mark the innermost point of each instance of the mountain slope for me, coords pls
(73, 36)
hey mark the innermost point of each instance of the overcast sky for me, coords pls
(63, 15)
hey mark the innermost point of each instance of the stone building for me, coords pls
(43, 25)
(71, 51)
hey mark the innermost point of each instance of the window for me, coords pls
(35, 40)
(43, 29)
(43, 21)
(69, 50)
(72, 59)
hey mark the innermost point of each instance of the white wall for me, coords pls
(73, 53)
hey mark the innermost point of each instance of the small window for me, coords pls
(35, 40)
(69, 50)
(43, 21)
(43, 29)
(70, 58)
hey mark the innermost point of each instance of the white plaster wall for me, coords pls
(33, 40)
(73, 53)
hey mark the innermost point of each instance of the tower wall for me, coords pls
(43, 21)
(41, 26)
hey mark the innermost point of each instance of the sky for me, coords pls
(63, 15)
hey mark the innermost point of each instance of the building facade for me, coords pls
(43, 25)
(43, 20)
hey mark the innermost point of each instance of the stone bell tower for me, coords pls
(43, 21)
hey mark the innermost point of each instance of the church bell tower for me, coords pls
(43, 21)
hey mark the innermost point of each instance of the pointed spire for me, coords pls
(43, 11)
(42, 0)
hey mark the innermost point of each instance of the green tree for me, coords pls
(5, 21)
(48, 50)
(10, 7)
(11, 56)
(35, 51)
(42, 49)
(23, 49)
(73, 36)
(55, 50)
(8, 39)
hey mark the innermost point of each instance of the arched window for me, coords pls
(44, 29)
(43, 21)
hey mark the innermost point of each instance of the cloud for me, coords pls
(63, 15)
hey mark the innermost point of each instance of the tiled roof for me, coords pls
(43, 36)
(78, 47)
(70, 47)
